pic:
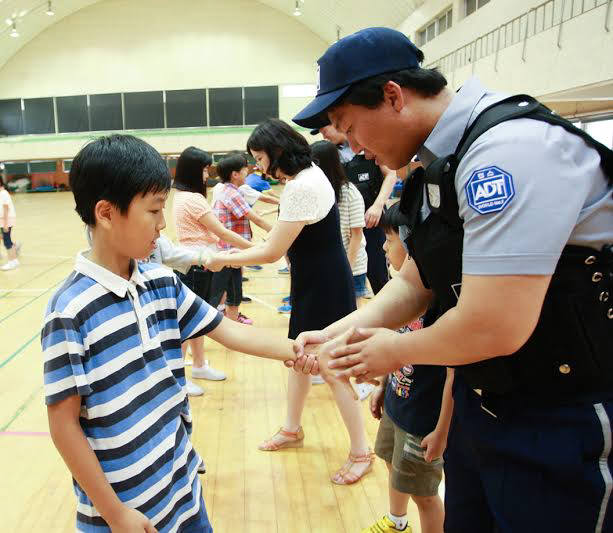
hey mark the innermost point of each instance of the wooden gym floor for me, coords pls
(245, 489)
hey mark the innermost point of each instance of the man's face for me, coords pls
(330, 133)
(383, 132)
(136, 231)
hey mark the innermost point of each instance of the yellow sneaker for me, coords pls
(384, 525)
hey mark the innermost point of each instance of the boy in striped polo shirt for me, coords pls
(114, 378)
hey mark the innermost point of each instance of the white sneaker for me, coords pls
(207, 372)
(11, 265)
(317, 380)
(193, 389)
(364, 390)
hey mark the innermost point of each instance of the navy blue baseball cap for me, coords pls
(358, 56)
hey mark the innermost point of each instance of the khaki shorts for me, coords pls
(410, 474)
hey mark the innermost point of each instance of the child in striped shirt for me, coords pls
(114, 378)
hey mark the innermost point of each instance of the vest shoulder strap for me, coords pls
(524, 106)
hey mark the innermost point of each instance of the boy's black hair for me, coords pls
(325, 156)
(115, 168)
(287, 150)
(233, 162)
(369, 92)
(188, 174)
(391, 219)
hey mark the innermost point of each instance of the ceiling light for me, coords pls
(297, 11)
(50, 11)
(14, 32)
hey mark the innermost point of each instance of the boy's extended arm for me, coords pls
(82, 462)
(258, 220)
(180, 257)
(261, 342)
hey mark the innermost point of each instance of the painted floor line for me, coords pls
(21, 409)
(19, 350)
(25, 290)
(25, 434)
(266, 304)
(35, 277)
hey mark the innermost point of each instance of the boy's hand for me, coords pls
(130, 520)
(376, 402)
(308, 337)
(434, 444)
(306, 363)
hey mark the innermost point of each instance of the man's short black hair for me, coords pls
(233, 162)
(369, 92)
(115, 168)
(287, 150)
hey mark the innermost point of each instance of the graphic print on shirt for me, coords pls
(401, 381)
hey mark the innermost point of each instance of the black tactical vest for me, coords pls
(366, 175)
(570, 353)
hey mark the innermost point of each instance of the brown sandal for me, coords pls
(344, 476)
(297, 440)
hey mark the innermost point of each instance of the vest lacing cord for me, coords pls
(603, 276)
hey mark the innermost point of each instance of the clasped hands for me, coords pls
(364, 353)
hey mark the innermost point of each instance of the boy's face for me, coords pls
(238, 178)
(135, 232)
(395, 252)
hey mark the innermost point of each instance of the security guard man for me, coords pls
(510, 228)
(375, 183)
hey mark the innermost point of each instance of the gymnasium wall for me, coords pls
(582, 59)
(140, 45)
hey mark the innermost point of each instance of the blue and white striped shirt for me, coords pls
(117, 344)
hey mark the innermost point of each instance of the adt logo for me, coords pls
(489, 190)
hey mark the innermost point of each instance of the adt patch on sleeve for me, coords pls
(489, 189)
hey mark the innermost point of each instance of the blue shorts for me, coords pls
(6, 238)
(359, 283)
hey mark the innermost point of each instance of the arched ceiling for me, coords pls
(323, 17)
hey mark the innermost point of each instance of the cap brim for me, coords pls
(315, 114)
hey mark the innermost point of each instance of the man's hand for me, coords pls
(376, 401)
(130, 520)
(368, 354)
(324, 361)
(434, 444)
(373, 215)
(308, 337)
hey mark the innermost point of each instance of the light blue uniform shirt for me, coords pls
(561, 195)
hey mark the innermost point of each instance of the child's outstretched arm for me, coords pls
(261, 342)
(180, 257)
(82, 462)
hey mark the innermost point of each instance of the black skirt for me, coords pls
(322, 289)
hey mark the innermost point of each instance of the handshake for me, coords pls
(218, 260)
(351, 354)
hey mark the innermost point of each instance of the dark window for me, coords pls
(67, 164)
(144, 110)
(105, 112)
(42, 166)
(218, 157)
(261, 103)
(11, 119)
(471, 6)
(226, 106)
(13, 169)
(38, 115)
(72, 113)
(172, 162)
(186, 109)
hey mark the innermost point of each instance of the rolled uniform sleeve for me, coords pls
(537, 176)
